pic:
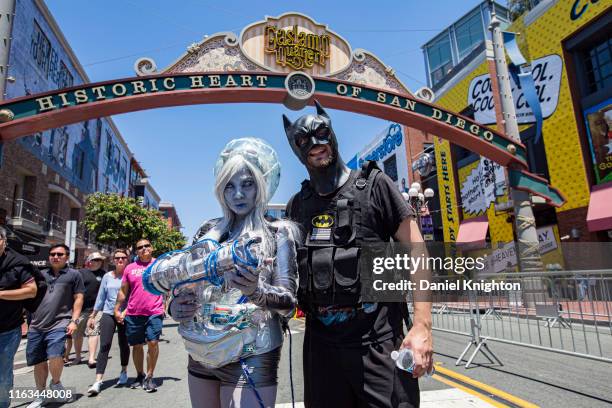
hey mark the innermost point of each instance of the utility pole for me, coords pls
(528, 247)
(7, 12)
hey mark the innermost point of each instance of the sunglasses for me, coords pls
(58, 254)
(96, 260)
(120, 257)
(143, 246)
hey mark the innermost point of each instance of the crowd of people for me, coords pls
(233, 331)
(73, 304)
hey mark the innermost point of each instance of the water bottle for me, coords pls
(404, 360)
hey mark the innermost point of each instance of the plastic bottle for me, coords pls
(404, 360)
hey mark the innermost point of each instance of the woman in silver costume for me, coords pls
(247, 174)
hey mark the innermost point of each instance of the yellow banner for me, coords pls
(446, 184)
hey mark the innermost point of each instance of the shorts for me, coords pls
(263, 370)
(45, 345)
(83, 330)
(365, 376)
(141, 329)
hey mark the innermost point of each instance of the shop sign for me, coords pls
(297, 49)
(547, 240)
(503, 258)
(388, 150)
(295, 42)
(579, 8)
(546, 73)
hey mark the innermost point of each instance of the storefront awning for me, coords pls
(473, 232)
(599, 216)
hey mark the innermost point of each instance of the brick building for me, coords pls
(46, 177)
(169, 212)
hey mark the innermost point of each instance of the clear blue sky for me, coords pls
(178, 146)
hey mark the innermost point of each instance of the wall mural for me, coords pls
(38, 63)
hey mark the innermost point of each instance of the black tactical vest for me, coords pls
(329, 260)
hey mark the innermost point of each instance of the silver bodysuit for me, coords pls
(224, 332)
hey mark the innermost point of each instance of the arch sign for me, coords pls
(289, 59)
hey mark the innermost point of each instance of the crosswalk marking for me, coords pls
(451, 398)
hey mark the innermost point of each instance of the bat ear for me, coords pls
(287, 123)
(320, 110)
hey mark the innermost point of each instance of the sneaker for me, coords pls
(37, 403)
(138, 382)
(62, 391)
(149, 385)
(123, 378)
(94, 389)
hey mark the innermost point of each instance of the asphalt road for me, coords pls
(543, 378)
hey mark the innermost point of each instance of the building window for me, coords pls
(109, 145)
(519, 7)
(439, 58)
(536, 153)
(469, 34)
(390, 167)
(80, 164)
(599, 131)
(40, 48)
(598, 66)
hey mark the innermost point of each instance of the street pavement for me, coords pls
(542, 378)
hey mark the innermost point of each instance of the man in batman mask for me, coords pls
(348, 342)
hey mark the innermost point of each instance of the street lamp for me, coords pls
(417, 198)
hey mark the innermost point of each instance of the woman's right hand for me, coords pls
(183, 307)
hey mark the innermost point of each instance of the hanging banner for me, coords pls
(480, 188)
(446, 186)
(521, 72)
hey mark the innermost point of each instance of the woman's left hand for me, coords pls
(244, 278)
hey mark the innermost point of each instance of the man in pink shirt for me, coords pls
(143, 316)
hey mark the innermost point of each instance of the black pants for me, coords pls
(339, 377)
(107, 331)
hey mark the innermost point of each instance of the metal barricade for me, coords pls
(568, 312)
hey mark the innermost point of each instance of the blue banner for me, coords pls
(523, 78)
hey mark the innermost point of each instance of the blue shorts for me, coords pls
(141, 329)
(45, 345)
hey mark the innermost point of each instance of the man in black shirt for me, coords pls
(348, 342)
(56, 316)
(16, 284)
(92, 276)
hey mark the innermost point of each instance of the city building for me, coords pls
(389, 150)
(169, 212)
(146, 194)
(46, 177)
(569, 47)
(406, 155)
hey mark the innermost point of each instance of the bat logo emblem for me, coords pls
(323, 221)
